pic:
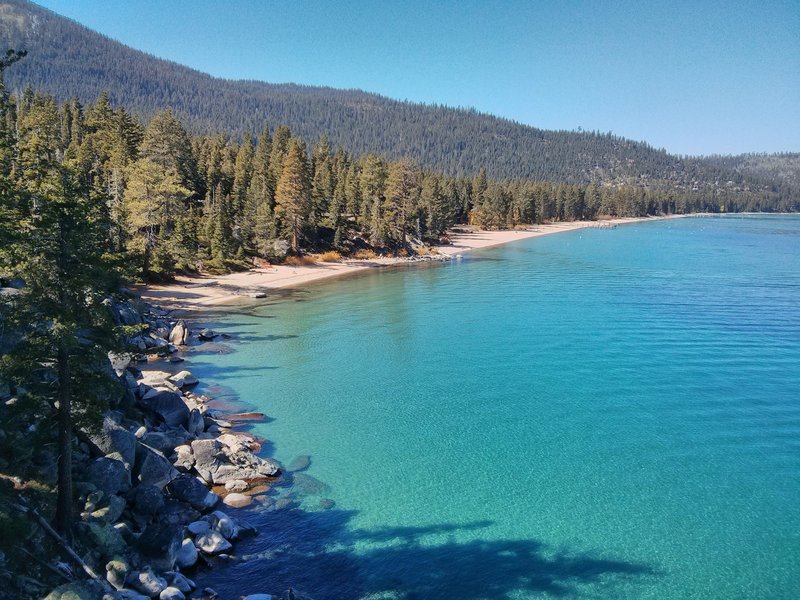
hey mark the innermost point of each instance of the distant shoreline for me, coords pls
(196, 293)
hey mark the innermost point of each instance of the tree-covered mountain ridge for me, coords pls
(70, 60)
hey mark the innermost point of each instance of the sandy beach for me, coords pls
(191, 293)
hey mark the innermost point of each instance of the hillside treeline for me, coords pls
(66, 59)
(172, 201)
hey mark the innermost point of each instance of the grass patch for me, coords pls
(364, 254)
(300, 261)
(330, 256)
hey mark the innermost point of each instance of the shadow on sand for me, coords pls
(317, 555)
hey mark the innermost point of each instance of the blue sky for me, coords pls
(695, 77)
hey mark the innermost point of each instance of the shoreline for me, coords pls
(191, 294)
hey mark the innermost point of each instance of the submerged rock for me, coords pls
(75, 591)
(237, 500)
(299, 463)
(307, 485)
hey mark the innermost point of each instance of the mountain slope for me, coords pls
(67, 59)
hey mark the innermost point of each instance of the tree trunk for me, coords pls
(63, 519)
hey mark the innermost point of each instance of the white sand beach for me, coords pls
(191, 293)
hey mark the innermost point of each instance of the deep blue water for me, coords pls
(594, 414)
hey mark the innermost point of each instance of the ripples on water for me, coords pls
(602, 413)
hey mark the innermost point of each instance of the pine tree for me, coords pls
(401, 195)
(372, 190)
(154, 202)
(167, 144)
(57, 249)
(292, 195)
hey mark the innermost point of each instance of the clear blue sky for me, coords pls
(694, 77)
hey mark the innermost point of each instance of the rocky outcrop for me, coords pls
(145, 491)
(217, 462)
(169, 406)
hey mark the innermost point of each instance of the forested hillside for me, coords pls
(67, 59)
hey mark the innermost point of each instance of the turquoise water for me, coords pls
(595, 414)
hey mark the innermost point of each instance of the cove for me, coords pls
(600, 413)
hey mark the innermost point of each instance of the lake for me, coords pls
(604, 413)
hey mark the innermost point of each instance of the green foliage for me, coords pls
(292, 194)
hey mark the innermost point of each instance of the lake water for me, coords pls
(606, 413)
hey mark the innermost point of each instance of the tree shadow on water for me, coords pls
(316, 554)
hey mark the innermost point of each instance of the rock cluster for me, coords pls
(148, 513)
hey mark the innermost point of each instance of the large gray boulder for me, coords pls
(148, 583)
(187, 555)
(109, 510)
(184, 458)
(111, 437)
(124, 314)
(117, 572)
(106, 539)
(165, 441)
(212, 543)
(189, 489)
(183, 379)
(147, 500)
(171, 593)
(169, 406)
(182, 582)
(222, 523)
(196, 424)
(152, 467)
(160, 545)
(109, 474)
(218, 463)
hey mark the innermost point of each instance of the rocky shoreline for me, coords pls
(152, 478)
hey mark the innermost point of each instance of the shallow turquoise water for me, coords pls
(601, 414)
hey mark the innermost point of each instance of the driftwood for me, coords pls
(39, 520)
(46, 565)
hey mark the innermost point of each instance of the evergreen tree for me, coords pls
(292, 194)
(372, 190)
(155, 202)
(401, 195)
